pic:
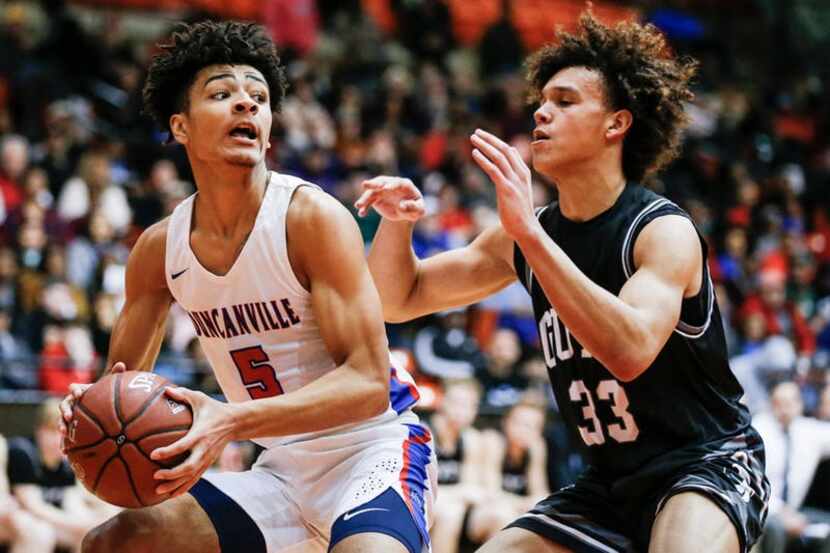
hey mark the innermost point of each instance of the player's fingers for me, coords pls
(182, 395)
(66, 408)
(366, 200)
(167, 487)
(492, 139)
(119, 367)
(489, 167)
(189, 483)
(376, 183)
(178, 447)
(494, 155)
(412, 209)
(77, 390)
(510, 153)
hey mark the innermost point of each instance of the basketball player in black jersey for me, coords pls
(629, 327)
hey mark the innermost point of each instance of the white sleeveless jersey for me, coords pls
(255, 323)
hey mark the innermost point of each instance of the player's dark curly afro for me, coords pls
(640, 75)
(194, 47)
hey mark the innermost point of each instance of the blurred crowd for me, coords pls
(396, 87)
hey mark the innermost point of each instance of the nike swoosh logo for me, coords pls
(174, 276)
(347, 516)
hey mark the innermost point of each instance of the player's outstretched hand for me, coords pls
(212, 428)
(75, 393)
(395, 198)
(511, 175)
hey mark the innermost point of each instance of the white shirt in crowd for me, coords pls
(809, 444)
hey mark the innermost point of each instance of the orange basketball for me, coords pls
(115, 426)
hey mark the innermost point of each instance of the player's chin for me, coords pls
(545, 162)
(243, 159)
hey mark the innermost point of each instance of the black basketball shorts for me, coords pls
(598, 516)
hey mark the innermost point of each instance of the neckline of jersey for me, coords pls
(244, 247)
(601, 217)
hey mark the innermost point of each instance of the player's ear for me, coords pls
(178, 128)
(618, 124)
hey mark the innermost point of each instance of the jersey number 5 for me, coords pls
(259, 378)
(608, 390)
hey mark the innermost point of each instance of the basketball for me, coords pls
(115, 426)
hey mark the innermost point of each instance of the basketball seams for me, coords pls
(127, 411)
(146, 405)
(130, 476)
(93, 417)
(83, 447)
(102, 470)
(161, 431)
(116, 398)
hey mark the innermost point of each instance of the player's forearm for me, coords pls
(604, 325)
(343, 396)
(394, 267)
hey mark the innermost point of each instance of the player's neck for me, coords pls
(588, 191)
(228, 195)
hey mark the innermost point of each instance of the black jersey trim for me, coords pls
(656, 204)
(691, 331)
(528, 269)
(684, 329)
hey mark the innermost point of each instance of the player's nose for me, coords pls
(542, 116)
(245, 104)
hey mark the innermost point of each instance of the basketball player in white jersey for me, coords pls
(272, 273)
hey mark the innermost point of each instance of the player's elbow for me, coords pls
(396, 316)
(376, 400)
(630, 364)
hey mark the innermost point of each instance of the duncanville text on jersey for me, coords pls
(244, 318)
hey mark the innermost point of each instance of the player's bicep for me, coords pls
(139, 328)
(344, 300)
(668, 258)
(464, 275)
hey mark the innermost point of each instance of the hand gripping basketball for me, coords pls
(115, 425)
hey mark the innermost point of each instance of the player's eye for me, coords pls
(260, 97)
(221, 95)
(565, 103)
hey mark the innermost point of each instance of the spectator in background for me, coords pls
(8, 279)
(460, 453)
(16, 359)
(500, 50)
(515, 469)
(446, 350)
(503, 383)
(45, 486)
(781, 316)
(19, 530)
(14, 160)
(92, 189)
(794, 446)
(87, 252)
(307, 123)
(773, 360)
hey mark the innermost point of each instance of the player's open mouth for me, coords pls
(539, 137)
(244, 133)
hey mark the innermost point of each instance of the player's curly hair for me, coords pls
(194, 47)
(640, 75)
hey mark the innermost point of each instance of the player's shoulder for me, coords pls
(313, 209)
(153, 240)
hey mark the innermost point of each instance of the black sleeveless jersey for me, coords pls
(686, 404)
